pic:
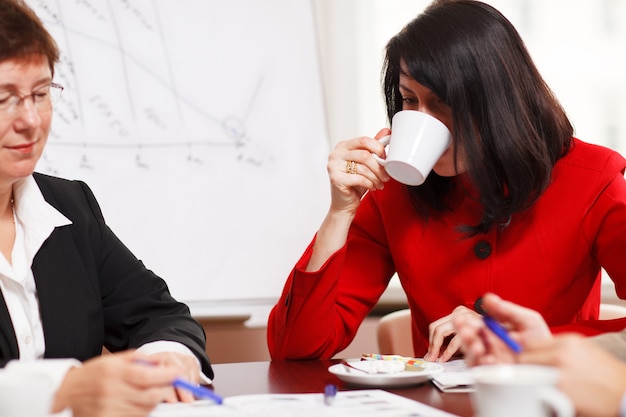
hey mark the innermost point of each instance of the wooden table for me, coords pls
(311, 376)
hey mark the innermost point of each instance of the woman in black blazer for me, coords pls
(69, 286)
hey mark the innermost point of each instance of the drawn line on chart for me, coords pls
(168, 62)
(122, 57)
(235, 134)
(142, 145)
(69, 52)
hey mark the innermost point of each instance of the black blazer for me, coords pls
(94, 292)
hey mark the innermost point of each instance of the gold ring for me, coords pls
(351, 167)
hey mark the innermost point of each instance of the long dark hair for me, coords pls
(22, 34)
(507, 122)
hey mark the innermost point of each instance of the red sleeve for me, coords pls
(299, 324)
(607, 218)
(592, 327)
(319, 313)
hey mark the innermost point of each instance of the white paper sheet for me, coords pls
(455, 377)
(362, 403)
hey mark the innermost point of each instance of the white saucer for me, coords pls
(399, 379)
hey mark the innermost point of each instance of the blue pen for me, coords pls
(198, 390)
(330, 392)
(497, 328)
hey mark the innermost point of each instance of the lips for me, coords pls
(24, 148)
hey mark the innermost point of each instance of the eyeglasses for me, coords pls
(42, 98)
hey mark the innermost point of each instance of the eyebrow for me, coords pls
(400, 85)
(404, 89)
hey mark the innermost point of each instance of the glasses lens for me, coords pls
(55, 93)
(42, 99)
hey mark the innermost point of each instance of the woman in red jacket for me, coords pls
(515, 206)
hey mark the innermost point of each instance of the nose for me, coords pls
(27, 116)
(425, 109)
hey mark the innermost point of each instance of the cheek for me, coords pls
(4, 129)
(46, 121)
(445, 164)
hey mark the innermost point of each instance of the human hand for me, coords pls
(481, 346)
(187, 367)
(440, 330)
(348, 188)
(115, 385)
(593, 379)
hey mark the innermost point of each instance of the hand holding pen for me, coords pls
(478, 336)
(198, 391)
(501, 332)
(496, 327)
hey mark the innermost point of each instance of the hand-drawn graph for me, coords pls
(199, 125)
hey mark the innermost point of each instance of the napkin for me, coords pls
(455, 377)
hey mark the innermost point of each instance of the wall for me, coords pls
(578, 45)
(237, 342)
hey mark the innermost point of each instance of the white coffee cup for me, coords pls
(519, 390)
(25, 394)
(416, 142)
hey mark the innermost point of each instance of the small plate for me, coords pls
(399, 379)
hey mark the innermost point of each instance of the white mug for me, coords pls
(518, 390)
(25, 394)
(416, 142)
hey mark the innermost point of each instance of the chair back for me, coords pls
(612, 311)
(394, 333)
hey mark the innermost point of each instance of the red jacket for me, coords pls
(548, 259)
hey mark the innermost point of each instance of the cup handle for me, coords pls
(384, 141)
(558, 402)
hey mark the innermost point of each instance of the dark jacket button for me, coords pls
(482, 250)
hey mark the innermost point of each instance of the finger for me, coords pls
(382, 133)
(362, 143)
(187, 367)
(172, 395)
(185, 396)
(356, 183)
(380, 174)
(351, 183)
(473, 344)
(438, 331)
(479, 344)
(495, 349)
(372, 171)
(151, 397)
(362, 162)
(433, 347)
(190, 367)
(505, 311)
(454, 345)
(361, 150)
(143, 375)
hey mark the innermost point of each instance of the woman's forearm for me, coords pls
(331, 237)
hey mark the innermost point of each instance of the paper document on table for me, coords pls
(455, 377)
(365, 403)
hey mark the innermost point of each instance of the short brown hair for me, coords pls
(22, 33)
